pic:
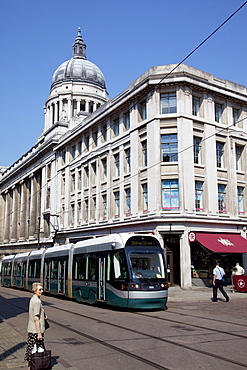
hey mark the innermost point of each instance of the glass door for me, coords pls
(47, 276)
(101, 280)
(61, 276)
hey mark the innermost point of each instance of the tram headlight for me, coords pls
(163, 286)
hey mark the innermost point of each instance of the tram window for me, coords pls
(34, 269)
(54, 269)
(120, 271)
(108, 271)
(17, 269)
(91, 267)
(7, 269)
(79, 267)
(148, 264)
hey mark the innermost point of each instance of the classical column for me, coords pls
(70, 102)
(60, 109)
(87, 106)
(55, 112)
(7, 217)
(78, 106)
(33, 207)
(23, 223)
(51, 114)
(15, 213)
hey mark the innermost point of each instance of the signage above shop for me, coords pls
(220, 243)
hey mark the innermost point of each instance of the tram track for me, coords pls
(143, 334)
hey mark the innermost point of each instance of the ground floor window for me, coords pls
(203, 262)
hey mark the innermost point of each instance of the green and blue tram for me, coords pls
(124, 270)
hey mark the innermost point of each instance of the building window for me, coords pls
(49, 171)
(239, 151)
(117, 165)
(222, 198)
(169, 148)
(199, 195)
(220, 154)
(240, 200)
(63, 185)
(168, 103)
(144, 153)
(197, 149)
(79, 147)
(104, 132)
(73, 151)
(95, 138)
(79, 180)
(93, 213)
(86, 172)
(128, 201)
(86, 141)
(72, 182)
(94, 168)
(104, 203)
(127, 121)
(218, 112)
(170, 195)
(143, 110)
(104, 168)
(145, 197)
(48, 197)
(196, 103)
(117, 203)
(127, 160)
(79, 212)
(63, 157)
(72, 214)
(86, 209)
(235, 116)
(115, 127)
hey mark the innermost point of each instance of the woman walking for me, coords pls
(36, 322)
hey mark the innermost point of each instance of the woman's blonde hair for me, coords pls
(35, 286)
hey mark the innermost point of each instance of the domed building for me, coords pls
(78, 88)
(167, 156)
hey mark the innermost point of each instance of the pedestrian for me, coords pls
(218, 282)
(238, 270)
(36, 322)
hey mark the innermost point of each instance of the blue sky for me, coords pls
(124, 38)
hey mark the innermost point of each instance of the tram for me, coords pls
(124, 270)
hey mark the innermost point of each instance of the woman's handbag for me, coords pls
(41, 360)
(47, 325)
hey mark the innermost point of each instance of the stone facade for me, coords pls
(168, 156)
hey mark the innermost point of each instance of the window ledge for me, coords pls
(240, 172)
(198, 165)
(222, 169)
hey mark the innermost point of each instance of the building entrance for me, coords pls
(172, 245)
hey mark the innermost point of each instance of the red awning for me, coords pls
(221, 243)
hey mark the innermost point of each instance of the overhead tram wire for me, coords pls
(203, 42)
(162, 79)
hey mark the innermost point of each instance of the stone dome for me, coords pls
(78, 68)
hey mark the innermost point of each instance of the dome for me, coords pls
(78, 68)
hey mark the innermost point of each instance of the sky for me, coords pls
(124, 39)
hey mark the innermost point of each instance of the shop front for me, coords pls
(208, 248)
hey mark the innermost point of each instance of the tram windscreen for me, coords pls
(148, 264)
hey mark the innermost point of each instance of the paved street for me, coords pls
(193, 331)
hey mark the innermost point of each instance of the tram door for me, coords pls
(101, 280)
(47, 276)
(61, 276)
(24, 269)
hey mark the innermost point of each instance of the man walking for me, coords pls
(218, 275)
